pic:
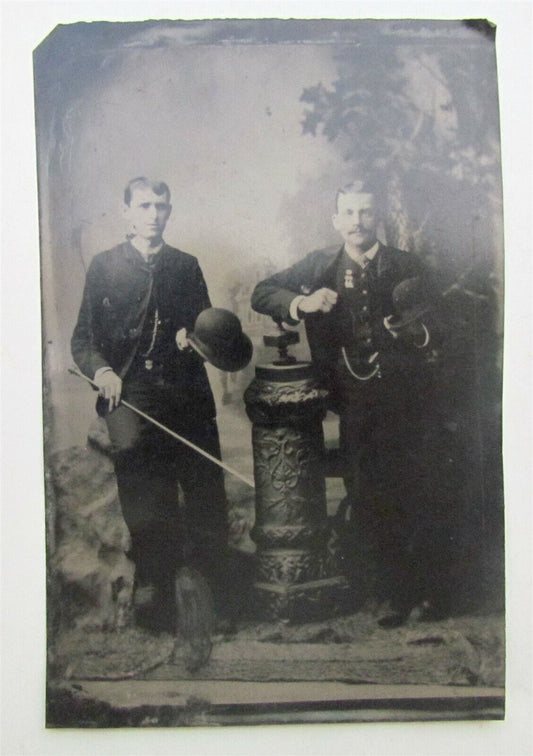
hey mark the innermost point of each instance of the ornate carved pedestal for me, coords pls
(295, 577)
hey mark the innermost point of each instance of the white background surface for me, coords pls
(24, 25)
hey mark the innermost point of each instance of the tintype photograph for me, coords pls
(272, 320)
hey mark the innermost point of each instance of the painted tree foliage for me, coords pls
(423, 120)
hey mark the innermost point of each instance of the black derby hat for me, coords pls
(410, 301)
(218, 338)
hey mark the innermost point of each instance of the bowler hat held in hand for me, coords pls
(219, 339)
(410, 302)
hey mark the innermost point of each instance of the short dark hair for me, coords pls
(141, 182)
(359, 186)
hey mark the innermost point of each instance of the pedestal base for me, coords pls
(305, 602)
(296, 578)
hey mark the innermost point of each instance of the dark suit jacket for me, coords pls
(319, 269)
(115, 301)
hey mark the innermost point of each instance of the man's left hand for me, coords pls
(413, 333)
(182, 341)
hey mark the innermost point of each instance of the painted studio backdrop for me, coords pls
(254, 125)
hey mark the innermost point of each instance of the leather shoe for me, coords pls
(429, 611)
(425, 611)
(393, 618)
(153, 609)
(393, 613)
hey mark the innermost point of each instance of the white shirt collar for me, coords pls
(368, 255)
(141, 248)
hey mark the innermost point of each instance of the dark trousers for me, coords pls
(150, 467)
(382, 427)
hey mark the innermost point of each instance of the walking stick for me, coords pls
(195, 617)
(172, 433)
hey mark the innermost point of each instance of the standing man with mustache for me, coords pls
(372, 357)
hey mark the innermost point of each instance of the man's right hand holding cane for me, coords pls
(109, 386)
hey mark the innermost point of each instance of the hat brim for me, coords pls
(235, 359)
(410, 316)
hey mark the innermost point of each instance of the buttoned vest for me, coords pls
(359, 309)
